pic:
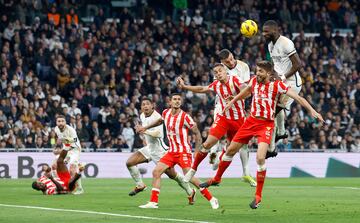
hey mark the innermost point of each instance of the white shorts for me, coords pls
(286, 101)
(72, 157)
(152, 155)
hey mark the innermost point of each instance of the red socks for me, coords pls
(199, 156)
(223, 165)
(206, 193)
(155, 195)
(260, 179)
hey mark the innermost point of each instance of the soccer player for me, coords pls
(63, 184)
(177, 123)
(155, 149)
(287, 64)
(226, 87)
(71, 143)
(260, 123)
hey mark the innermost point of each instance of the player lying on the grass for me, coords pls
(62, 184)
(155, 149)
(260, 123)
(226, 87)
(177, 123)
(67, 136)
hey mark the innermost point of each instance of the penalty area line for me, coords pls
(102, 213)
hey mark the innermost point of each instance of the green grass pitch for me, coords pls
(284, 200)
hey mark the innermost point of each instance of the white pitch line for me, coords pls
(103, 213)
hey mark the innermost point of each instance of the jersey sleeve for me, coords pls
(50, 191)
(188, 122)
(245, 72)
(163, 114)
(289, 47)
(158, 128)
(237, 82)
(282, 87)
(73, 134)
(212, 86)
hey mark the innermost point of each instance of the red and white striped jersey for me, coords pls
(177, 130)
(265, 97)
(50, 186)
(224, 91)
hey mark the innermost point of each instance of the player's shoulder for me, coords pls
(241, 63)
(155, 115)
(285, 41)
(166, 111)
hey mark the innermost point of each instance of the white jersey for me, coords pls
(155, 143)
(69, 133)
(241, 70)
(280, 53)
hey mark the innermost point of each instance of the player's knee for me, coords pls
(156, 173)
(260, 159)
(129, 164)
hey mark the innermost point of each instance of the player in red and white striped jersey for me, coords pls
(266, 93)
(226, 87)
(177, 123)
(62, 184)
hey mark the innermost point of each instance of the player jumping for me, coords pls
(260, 123)
(226, 87)
(177, 123)
(155, 149)
(287, 64)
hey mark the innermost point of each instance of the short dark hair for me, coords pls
(146, 99)
(175, 94)
(60, 116)
(223, 54)
(267, 65)
(218, 65)
(271, 23)
(35, 185)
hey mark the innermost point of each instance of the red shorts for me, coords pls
(64, 177)
(262, 129)
(184, 160)
(222, 126)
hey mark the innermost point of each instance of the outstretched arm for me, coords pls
(305, 104)
(244, 93)
(142, 129)
(197, 89)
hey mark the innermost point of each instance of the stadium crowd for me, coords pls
(96, 72)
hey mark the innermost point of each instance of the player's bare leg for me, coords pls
(225, 162)
(132, 162)
(204, 191)
(76, 178)
(74, 168)
(200, 156)
(179, 178)
(157, 172)
(261, 173)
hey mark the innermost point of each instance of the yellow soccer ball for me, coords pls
(249, 28)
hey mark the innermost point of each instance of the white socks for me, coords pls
(135, 174)
(186, 186)
(244, 156)
(261, 168)
(280, 121)
(227, 158)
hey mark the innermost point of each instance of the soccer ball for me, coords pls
(249, 28)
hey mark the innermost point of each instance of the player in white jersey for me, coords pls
(287, 64)
(153, 151)
(242, 71)
(71, 143)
